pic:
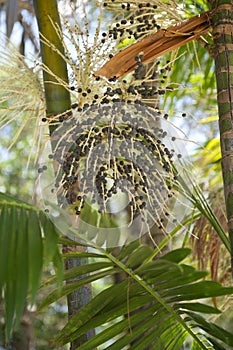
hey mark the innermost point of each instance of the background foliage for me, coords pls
(157, 302)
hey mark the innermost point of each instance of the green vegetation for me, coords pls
(124, 228)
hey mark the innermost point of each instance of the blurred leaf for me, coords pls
(22, 266)
(22, 255)
(4, 244)
(177, 255)
(51, 237)
(11, 268)
(139, 256)
(213, 329)
(70, 287)
(198, 307)
(209, 119)
(35, 251)
(125, 43)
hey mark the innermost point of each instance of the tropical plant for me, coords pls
(160, 290)
(155, 304)
(31, 244)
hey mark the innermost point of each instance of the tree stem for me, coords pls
(58, 101)
(222, 22)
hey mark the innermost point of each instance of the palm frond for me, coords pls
(198, 199)
(165, 292)
(21, 95)
(28, 241)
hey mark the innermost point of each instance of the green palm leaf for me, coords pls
(24, 248)
(160, 297)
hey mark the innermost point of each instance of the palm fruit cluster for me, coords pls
(115, 147)
(112, 142)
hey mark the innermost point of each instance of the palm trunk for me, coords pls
(222, 22)
(58, 101)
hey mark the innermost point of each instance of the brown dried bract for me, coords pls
(155, 45)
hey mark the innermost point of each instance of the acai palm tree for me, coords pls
(110, 149)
